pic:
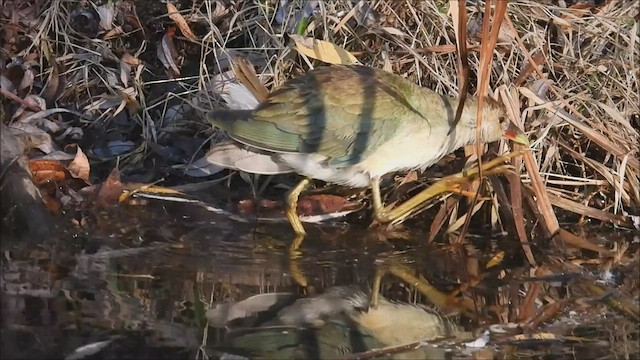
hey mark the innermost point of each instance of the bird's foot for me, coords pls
(294, 267)
(292, 213)
(375, 287)
(400, 270)
(453, 183)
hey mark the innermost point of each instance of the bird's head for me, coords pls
(495, 123)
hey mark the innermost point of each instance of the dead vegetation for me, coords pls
(127, 83)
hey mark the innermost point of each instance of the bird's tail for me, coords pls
(224, 119)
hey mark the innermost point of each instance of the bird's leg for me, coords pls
(291, 210)
(296, 224)
(375, 287)
(450, 183)
(422, 285)
(376, 198)
(294, 267)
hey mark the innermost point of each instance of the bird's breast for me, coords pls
(407, 150)
(316, 167)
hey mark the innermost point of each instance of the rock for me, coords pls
(22, 209)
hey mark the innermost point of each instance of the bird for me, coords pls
(337, 323)
(352, 124)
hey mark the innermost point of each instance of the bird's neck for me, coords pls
(442, 109)
(466, 127)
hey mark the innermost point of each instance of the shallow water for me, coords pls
(141, 278)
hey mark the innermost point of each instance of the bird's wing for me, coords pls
(342, 112)
(233, 155)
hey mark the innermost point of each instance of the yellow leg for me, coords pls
(423, 286)
(376, 198)
(292, 205)
(449, 183)
(375, 287)
(294, 267)
(296, 224)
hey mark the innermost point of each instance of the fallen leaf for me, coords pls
(55, 84)
(113, 33)
(106, 14)
(44, 171)
(319, 204)
(130, 59)
(236, 95)
(495, 260)
(180, 21)
(125, 70)
(323, 50)
(394, 31)
(51, 203)
(27, 78)
(580, 242)
(248, 206)
(28, 103)
(110, 189)
(129, 95)
(167, 52)
(247, 76)
(7, 85)
(32, 137)
(79, 167)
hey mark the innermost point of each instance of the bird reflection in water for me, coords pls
(337, 323)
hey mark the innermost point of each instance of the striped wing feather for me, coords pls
(342, 112)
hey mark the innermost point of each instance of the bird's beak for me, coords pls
(516, 135)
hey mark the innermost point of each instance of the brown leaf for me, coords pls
(55, 84)
(113, 33)
(129, 96)
(44, 171)
(445, 210)
(539, 189)
(130, 59)
(110, 190)
(247, 76)
(578, 208)
(79, 167)
(319, 204)
(51, 203)
(529, 68)
(548, 311)
(515, 187)
(180, 21)
(248, 206)
(527, 309)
